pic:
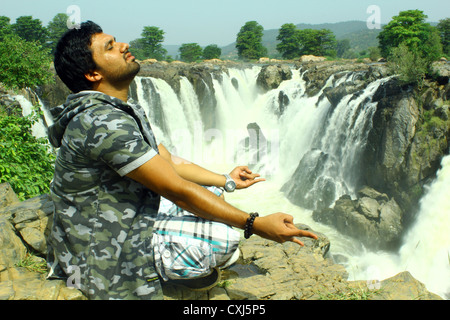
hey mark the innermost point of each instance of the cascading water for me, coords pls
(329, 169)
(39, 129)
(302, 129)
(425, 251)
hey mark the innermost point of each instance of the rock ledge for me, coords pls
(265, 270)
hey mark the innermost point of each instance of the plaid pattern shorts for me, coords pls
(186, 246)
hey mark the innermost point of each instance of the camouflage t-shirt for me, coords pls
(103, 221)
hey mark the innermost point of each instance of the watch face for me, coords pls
(230, 186)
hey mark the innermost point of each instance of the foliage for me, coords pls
(249, 41)
(289, 45)
(349, 293)
(33, 263)
(137, 49)
(25, 161)
(374, 53)
(212, 52)
(150, 45)
(342, 46)
(444, 32)
(23, 63)
(409, 28)
(409, 64)
(5, 27)
(30, 29)
(190, 52)
(317, 42)
(294, 42)
(55, 30)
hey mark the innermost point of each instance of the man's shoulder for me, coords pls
(100, 110)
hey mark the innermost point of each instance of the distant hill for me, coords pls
(357, 32)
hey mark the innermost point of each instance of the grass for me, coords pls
(350, 294)
(33, 263)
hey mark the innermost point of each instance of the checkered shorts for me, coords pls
(186, 246)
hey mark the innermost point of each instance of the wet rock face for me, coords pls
(271, 76)
(408, 139)
(372, 218)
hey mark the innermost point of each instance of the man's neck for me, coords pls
(119, 92)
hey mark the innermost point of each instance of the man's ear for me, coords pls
(93, 76)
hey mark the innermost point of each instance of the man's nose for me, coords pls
(124, 47)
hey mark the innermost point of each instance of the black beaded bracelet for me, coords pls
(249, 225)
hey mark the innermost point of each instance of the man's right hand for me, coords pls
(280, 227)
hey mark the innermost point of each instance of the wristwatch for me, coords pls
(230, 185)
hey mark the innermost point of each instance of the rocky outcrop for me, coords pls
(373, 218)
(316, 74)
(271, 76)
(311, 58)
(272, 271)
(265, 270)
(409, 137)
(23, 228)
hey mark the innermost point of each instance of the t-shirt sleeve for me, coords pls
(115, 138)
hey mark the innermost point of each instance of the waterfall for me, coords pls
(39, 129)
(297, 128)
(332, 163)
(175, 120)
(425, 250)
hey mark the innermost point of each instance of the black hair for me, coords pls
(73, 56)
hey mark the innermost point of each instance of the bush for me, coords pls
(23, 63)
(25, 161)
(408, 64)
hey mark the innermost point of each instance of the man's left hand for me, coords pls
(244, 177)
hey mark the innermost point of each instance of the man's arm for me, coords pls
(158, 175)
(242, 175)
(191, 171)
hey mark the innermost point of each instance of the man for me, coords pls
(110, 175)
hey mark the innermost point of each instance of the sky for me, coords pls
(215, 22)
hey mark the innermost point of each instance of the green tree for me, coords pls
(137, 48)
(410, 28)
(150, 45)
(212, 52)
(5, 27)
(444, 32)
(408, 63)
(249, 41)
(55, 30)
(317, 42)
(30, 29)
(342, 46)
(374, 53)
(25, 161)
(289, 45)
(190, 52)
(23, 63)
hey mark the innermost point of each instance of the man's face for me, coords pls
(114, 62)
